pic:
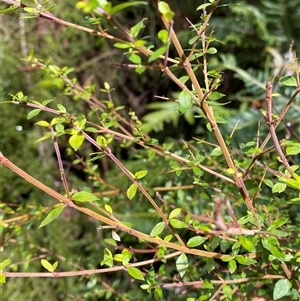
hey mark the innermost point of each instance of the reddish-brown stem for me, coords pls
(271, 126)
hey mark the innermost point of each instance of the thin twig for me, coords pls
(60, 164)
(270, 123)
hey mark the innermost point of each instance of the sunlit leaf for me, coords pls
(182, 264)
(202, 6)
(47, 265)
(174, 213)
(246, 243)
(33, 113)
(232, 266)
(135, 273)
(177, 223)
(158, 228)
(53, 214)
(279, 187)
(216, 152)
(76, 141)
(157, 53)
(282, 288)
(131, 191)
(196, 241)
(277, 223)
(108, 208)
(4, 264)
(2, 278)
(163, 36)
(84, 196)
(244, 260)
(141, 173)
(61, 108)
(289, 81)
(43, 123)
(101, 141)
(227, 291)
(135, 30)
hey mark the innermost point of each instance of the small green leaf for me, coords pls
(135, 30)
(282, 288)
(80, 121)
(101, 141)
(289, 81)
(33, 113)
(126, 257)
(182, 264)
(185, 101)
(232, 266)
(196, 241)
(145, 286)
(84, 196)
(4, 264)
(202, 6)
(76, 141)
(55, 264)
(108, 258)
(227, 291)
(46, 136)
(108, 208)
(124, 5)
(131, 191)
(215, 96)
(244, 260)
(210, 265)
(61, 108)
(211, 50)
(216, 152)
(43, 123)
(295, 184)
(157, 53)
(277, 223)
(163, 35)
(122, 45)
(2, 278)
(158, 228)
(293, 148)
(176, 223)
(9, 9)
(246, 243)
(53, 214)
(158, 293)
(152, 141)
(165, 10)
(207, 284)
(279, 187)
(275, 251)
(134, 58)
(47, 265)
(174, 213)
(118, 257)
(269, 183)
(141, 173)
(135, 273)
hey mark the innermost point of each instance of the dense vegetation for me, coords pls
(160, 142)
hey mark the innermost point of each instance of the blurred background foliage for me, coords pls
(253, 39)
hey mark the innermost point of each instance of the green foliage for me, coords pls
(211, 212)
